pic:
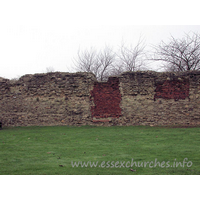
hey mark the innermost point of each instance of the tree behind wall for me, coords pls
(131, 58)
(99, 63)
(108, 63)
(179, 54)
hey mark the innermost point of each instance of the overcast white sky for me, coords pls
(35, 35)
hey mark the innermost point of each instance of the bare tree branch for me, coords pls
(49, 69)
(106, 59)
(107, 63)
(179, 54)
(86, 60)
(98, 63)
(132, 58)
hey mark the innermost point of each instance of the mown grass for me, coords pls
(50, 150)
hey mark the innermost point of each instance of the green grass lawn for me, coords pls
(50, 150)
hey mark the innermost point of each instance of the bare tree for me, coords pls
(86, 60)
(50, 69)
(108, 63)
(179, 54)
(99, 63)
(131, 58)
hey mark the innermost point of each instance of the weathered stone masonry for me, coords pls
(133, 98)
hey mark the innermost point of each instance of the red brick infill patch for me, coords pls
(172, 89)
(106, 97)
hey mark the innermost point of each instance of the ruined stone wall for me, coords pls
(133, 98)
(150, 98)
(47, 99)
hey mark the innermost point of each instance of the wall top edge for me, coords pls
(90, 75)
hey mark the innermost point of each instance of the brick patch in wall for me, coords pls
(172, 89)
(106, 97)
